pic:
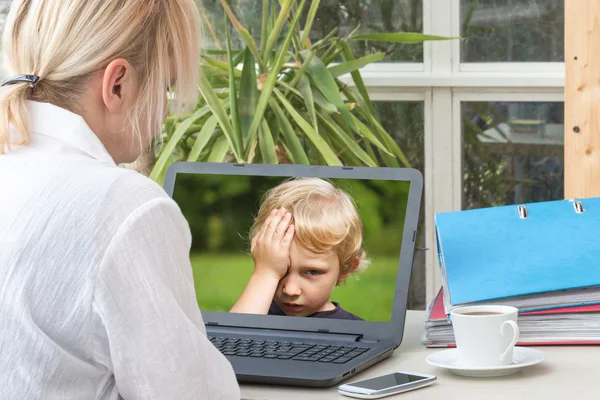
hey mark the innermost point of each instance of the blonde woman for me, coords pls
(96, 292)
(306, 239)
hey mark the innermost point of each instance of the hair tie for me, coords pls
(31, 79)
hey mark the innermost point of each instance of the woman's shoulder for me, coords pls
(132, 189)
(114, 192)
(137, 186)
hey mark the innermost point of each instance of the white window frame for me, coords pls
(442, 82)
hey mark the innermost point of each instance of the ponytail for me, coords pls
(13, 98)
(13, 102)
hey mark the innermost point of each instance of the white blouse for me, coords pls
(97, 298)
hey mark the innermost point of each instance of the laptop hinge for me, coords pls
(321, 334)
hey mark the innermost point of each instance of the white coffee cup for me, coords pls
(485, 335)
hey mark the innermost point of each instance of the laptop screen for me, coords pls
(330, 249)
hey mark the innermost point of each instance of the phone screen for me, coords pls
(387, 381)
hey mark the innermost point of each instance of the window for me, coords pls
(480, 117)
(513, 152)
(512, 30)
(343, 15)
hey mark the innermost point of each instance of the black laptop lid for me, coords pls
(221, 201)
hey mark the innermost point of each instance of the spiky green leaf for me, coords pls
(219, 150)
(203, 138)
(400, 37)
(248, 96)
(284, 13)
(178, 134)
(320, 144)
(289, 137)
(233, 108)
(326, 84)
(269, 85)
(310, 17)
(266, 144)
(354, 65)
(348, 141)
(218, 110)
(246, 36)
(309, 101)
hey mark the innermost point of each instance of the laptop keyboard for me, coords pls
(283, 350)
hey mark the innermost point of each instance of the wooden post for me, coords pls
(582, 98)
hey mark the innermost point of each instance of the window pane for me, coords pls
(512, 153)
(248, 12)
(405, 122)
(345, 15)
(512, 30)
(4, 8)
(373, 17)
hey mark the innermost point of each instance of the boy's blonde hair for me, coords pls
(325, 218)
(65, 42)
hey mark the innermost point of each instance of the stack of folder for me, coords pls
(543, 258)
(558, 326)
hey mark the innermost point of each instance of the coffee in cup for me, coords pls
(485, 335)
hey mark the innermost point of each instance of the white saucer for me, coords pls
(522, 357)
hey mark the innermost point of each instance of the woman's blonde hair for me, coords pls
(64, 42)
(325, 218)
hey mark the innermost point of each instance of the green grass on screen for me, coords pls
(221, 277)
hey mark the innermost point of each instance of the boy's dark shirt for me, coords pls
(337, 313)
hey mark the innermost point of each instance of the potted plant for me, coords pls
(282, 101)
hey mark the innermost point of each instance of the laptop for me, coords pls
(220, 202)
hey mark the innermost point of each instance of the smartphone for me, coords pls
(385, 385)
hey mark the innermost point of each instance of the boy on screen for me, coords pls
(306, 239)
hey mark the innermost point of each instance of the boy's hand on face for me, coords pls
(271, 245)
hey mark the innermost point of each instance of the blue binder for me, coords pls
(502, 254)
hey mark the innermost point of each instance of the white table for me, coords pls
(567, 373)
